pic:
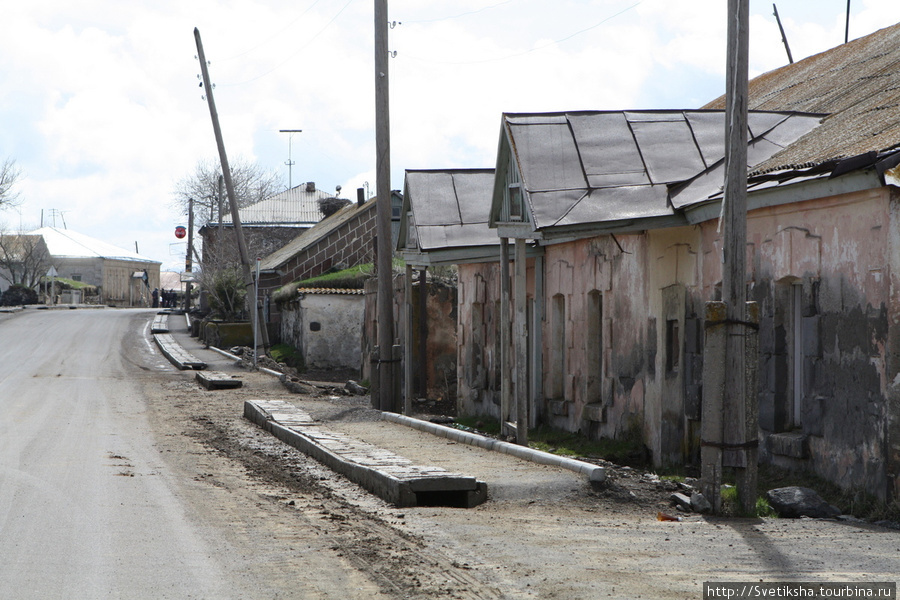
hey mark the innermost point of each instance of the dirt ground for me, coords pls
(543, 533)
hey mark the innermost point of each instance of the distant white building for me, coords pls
(118, 273)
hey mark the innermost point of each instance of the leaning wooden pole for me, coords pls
(385, 299)
(229, 183)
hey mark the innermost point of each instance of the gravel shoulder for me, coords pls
(543, 533)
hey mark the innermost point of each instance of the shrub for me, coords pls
(18, 295)
(227, 293)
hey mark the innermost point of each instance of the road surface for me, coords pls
(121, 477)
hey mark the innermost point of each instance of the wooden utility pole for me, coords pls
(385, 300)
(229, 185)
(847, 26)
(188, 259)
(729, 429)
(783, 36)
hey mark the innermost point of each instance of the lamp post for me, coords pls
(289, 162)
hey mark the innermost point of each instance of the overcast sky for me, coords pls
(101, 108)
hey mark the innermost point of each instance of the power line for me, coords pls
(309, 41)
(270, 38)
(465, 14)
(535, 49)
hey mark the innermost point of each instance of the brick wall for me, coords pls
(348, 245)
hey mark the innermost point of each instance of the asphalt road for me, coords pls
(87, 508)
(121, 478)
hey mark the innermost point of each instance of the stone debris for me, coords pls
(794, 501)
(699, 503)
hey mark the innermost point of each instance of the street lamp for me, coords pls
(289, 162)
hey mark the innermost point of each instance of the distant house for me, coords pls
(267, 225)
(117, 273)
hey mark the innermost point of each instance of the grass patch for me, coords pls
(65, 283)
(353, 278)
(484, 425)
(731, 506)
(288, 355)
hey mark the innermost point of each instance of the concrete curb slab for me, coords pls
(387, 475)
(177, 355)
(216, 380)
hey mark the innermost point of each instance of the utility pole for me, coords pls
(847, 26)
(729, 427)
(385, 299)
(220, 195)
(783, 36)
(188, 260)
(290, 163)
(229, 183)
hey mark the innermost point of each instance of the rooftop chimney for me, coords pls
(310, 186)
(360, 196)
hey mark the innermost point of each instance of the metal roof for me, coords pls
(450, 207)
(857, 83)
(604, 166)
(296, 207)
(65, 243)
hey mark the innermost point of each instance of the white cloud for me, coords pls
(102, 110)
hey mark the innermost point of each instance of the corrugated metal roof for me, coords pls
(591, 167)
(65, 243)
(857, 83)
(451, 207)
(295, 207)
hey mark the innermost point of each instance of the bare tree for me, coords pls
(252, 183)
(9, 176)
(24, 258)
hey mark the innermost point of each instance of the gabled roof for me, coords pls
(857, 83)
(314, 234)
(65, 243)
(580, 168)
(450, 208)
(296, 207)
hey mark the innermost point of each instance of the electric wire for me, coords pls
(531, 50)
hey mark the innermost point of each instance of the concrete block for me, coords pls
(794, 445)
(595, 412)
(216, 380)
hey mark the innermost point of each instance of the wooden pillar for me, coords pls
(521, 345)
(423, 333)
(505, 362)
(408, 344)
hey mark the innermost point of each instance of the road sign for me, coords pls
(180, 232)
(52, 272)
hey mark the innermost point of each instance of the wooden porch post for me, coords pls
(505, 363)
(521, 343)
